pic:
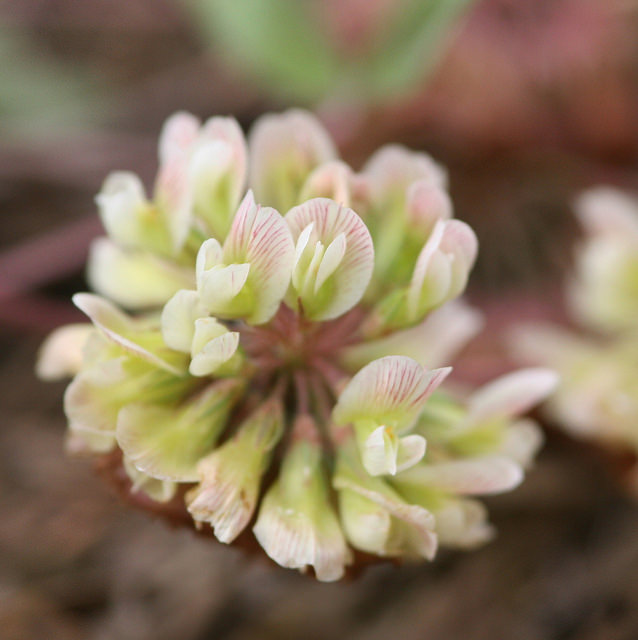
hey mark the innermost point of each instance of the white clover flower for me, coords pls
(278, 374)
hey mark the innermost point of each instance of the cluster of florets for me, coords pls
(598, 395)
(271, 369)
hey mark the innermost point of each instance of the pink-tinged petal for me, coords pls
(334, 180)
(296, 525)
(178, 135)
(134, 279)
(229, 131)
(284, 149)
(460, 241)
(512, 394)
(389, 390)
(259, 236)
(62, 353)
(473, 476)
(122, 330)
(427, 202)
(394, 167)
(608, 211)
(434, 342)
(443, 266)
(348, 262)
(173, 195)
(119, 203)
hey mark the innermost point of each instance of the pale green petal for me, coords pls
(213, 346)
(132, 335)
(405, 530)
(178, 319)
(230, 477)
(297, 526)
(120, 202)
(134, 279)
(167, 443)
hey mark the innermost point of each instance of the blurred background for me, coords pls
(525, 101)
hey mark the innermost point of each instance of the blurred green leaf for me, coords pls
(281, 45)
(413, 48)
(274, 39)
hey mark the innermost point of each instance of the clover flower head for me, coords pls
(268, 343)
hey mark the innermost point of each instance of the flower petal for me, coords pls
(61, 354)
(427, 202)
(472, 476)
(346, 264)
(178, 319)
(297, 526)
(431, 343)
(126, 333)
(334, 180)
(463, 524)
(119, 202)
(157, 490)
(404, 529)
(134, 279)
(259, 236)
(167, 443)
(215, 353)
(179, 133)
(284, 150)
(390, 391)
(512, 394)
(227, 494)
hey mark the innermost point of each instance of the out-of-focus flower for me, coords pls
(291, 347)
(598, 395)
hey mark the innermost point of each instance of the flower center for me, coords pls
(292, 352)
